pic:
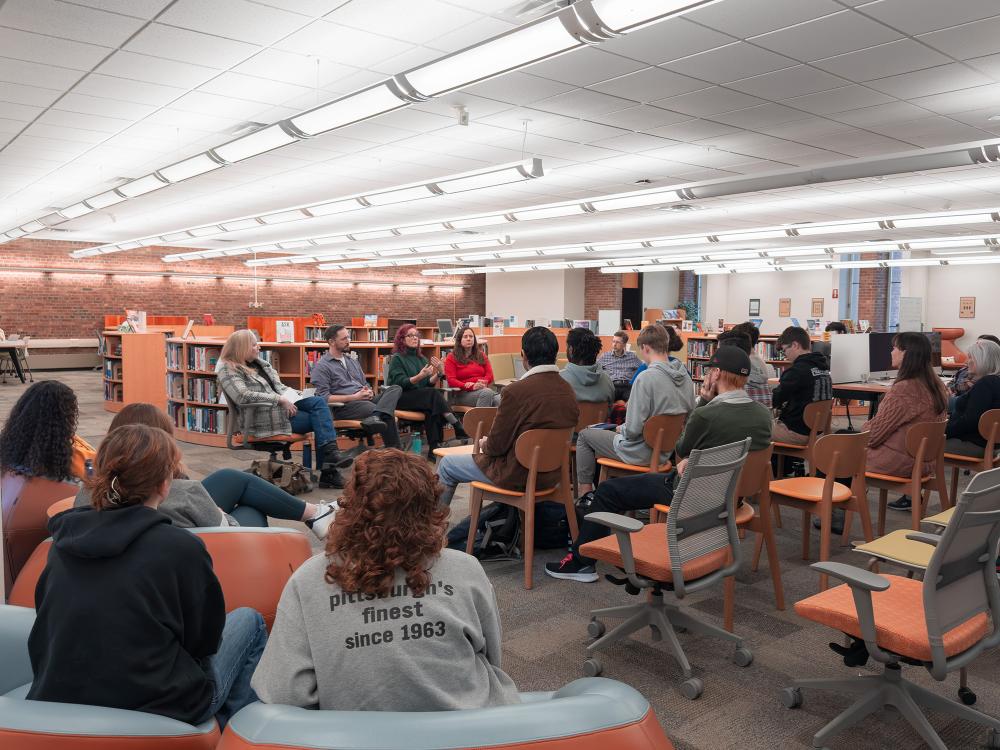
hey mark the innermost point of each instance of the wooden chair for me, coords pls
(925, 444)
(477, 422)
(837, 456)
(538, 451)
(661, 433)
(989, 428)
(591, 412)
(817, 417)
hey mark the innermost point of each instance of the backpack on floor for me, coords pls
(498, 535)
(293, 478)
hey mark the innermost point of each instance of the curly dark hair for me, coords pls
(37, 440)
(475, 354)
(389, 518)
(582, 346)
(399, 345)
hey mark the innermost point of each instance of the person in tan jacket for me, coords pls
(541, 399)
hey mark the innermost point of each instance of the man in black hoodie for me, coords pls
(806, 379)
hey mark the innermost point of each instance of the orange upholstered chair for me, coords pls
(948, 346)
(941, 623)
(587, 714)
(253, 565)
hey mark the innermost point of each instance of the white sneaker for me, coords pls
(320, 523)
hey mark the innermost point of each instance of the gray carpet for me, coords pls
(545, 637)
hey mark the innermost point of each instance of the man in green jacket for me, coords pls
(724, 414)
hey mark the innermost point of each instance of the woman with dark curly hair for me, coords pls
(468, 369)
(387, 619)
(39, 440)
(419, 378)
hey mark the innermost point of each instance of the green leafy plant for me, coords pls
(691, 308)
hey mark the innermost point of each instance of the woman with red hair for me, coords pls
(388, 619)
(419, 378)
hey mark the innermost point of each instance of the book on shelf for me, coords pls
(697, 348)
(176, 413)
(371, 321)
(205, 419)
(203, 358)
(272, 358)
(112, 369)
(315, 333)
(175, 386)
(205, 390)
(284, 331)
(187, 329)
(113, 391)
(175, 357)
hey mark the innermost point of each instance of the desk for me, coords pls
(11, 348)
(870, 392)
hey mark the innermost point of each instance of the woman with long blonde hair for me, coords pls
(246, 378)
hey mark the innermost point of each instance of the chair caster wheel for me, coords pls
(968, 697)
(791, 697)
(692, 689)
(592, 667)
(993, 739)
(743, 657)
(595, 628)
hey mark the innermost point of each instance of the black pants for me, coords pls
(622, 391)
(431, 402)
(619, 495)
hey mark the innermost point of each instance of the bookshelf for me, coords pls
(134, 369)
(193, 393)
(700, 348)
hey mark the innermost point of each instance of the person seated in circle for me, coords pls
(129, 612)
(387, 619)
(588, 379)
(225, 497)
(468, 369)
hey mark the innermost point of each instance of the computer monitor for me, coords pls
(446, 328)
(849, 358)
(822, 347)
(395, 323)
(880, 355)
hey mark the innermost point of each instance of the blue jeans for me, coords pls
(250, 499)
(231, 667)
(456, 470)
(313, 416)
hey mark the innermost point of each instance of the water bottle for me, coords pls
(417, 446)
(88, 467)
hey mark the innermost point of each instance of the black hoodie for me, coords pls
(128, 613)
(806, 380)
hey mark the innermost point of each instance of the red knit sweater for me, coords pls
(465, 376)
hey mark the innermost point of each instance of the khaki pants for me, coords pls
(781, 434)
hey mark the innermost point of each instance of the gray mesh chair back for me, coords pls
(702, 518)
(961, 582)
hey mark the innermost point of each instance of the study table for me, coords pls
(871, 392)
(11, 349)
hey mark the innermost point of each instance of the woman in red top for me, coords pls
(468, 370)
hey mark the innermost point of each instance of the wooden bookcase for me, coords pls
(701, 346)
(193, 394)
(134, 369)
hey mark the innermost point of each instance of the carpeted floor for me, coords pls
(545, 637)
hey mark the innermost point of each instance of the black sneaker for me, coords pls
(572, 570)
(332, 457)
(903, 504)
(836, 522)
(331, 479)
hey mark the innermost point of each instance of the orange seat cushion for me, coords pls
(809, 488)
(652, 555)
(492, 488)
(895, 480)
(622, 466)
(60, 505)
(900, 622)
(744, 512)
(410, 416)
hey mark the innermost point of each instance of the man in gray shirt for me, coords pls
(339, 379)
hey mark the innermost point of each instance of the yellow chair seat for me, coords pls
(622, 466)
(492, 488)
(940, 519)
(895, 547)
(893, 479)
(455, 450)
(410, 416)
(809, 489)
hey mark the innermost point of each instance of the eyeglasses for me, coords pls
(412, 336)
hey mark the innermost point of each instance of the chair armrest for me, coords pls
(856, 578)
(616, 522)
(623, 526)
(921, 536)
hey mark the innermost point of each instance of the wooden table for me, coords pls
(455, 450)
(871, 392)
(11, 348)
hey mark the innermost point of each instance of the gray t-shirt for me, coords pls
(188, 505)
(332, 650)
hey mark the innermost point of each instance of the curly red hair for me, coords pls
(389, 518)
(399, 345)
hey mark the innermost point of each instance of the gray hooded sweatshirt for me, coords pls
(664, 388)
(589, 382)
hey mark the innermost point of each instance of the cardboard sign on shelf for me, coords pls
(284, 331)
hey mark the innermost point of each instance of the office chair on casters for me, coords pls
(237, 441)
(941, 623)
(697, 547)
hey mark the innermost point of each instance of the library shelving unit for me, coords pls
(193, 393)
(134, 368)
(701, 346)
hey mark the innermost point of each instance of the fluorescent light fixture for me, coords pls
(679, 241)
(855, 226)
(958, 251)
(141, 186)
(76, 210)
(360, 105)
(280, 217)
(401, 195)
(505, 176)
(978, 260)
(256, 143)
(236, 226)
(421, 229)
(621, 16)
(335, 207)
(32, 226)
(104, 200)
(377, 234)
(764, 234)
(606, 247)
(638, 199)
(477, 221)
(552, 212)
(183, 170)
(937, 221)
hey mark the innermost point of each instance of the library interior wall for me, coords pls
(728, 296)
(660, 289)
(66, 305)
(537, 294)
(941, 288)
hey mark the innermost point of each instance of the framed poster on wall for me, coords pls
(754, 307)
(817, 307)
(966, 307)
(785, 307)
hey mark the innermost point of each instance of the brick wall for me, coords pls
(602, 291)
(687, 287)
(66, 305)
(873, 294)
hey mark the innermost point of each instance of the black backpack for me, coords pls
(498, 534)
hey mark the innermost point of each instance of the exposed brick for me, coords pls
(602, 291)
(687, 287)
(57, 305)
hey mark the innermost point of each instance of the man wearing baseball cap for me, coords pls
(724, 414)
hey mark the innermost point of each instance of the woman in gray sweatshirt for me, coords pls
(385, 619)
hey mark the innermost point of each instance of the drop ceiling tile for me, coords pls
(583, 103)
(988, 64)
(633, 142)
(66, 133)
(156, 70)
(865, 144)
(760, 116)
(979, 118)
(144, 9)
(215, 105)
(519, 88)
(578, 131)
(783, 84)
(759, 16)
(709, 101)
(643, 117)
(23, 45)
(15, 93)
(884, 60)
(649, 85)
(838, 100)
(416, 121)
(234, 19)
(296, 69)
(881, 113)
(828, 36)
(122, 89)
(665, 41)
(66, 21)
(473, 33)
(20, 112)
(47, 147)
(357, 79)
(36, 74)
(93, 105)
(918, 18)
(252, 88)
(951, 77)
(477, 106)
(969, 40)
(401, 20)
(190, 47)
(730, 63)
(584, 66)
(342, 44)
(959, 101)
(693, 130)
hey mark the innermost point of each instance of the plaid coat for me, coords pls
(241, 388)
